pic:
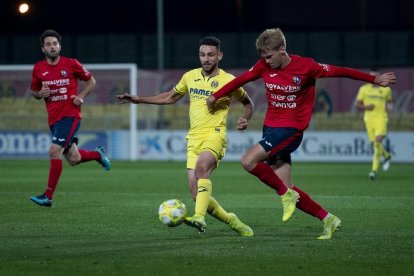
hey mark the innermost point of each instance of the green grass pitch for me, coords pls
(106, 223)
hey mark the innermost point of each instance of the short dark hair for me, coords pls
(51, 33)
(211, 41)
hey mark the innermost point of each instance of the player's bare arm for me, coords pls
(78, 99)
(385, 79)
(248, 105)
(127, 98)
(164, 98)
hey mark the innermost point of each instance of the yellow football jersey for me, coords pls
(376, 95)
(199, 89)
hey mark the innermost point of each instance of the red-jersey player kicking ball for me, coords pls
(290, 89)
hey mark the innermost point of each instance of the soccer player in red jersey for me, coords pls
(55, 79)
(290, 88)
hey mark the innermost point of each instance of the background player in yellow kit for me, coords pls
(376, 101)
(206, 139)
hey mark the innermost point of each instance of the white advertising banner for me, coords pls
(352, 147)
(316, 146)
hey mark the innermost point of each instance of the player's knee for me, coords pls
(55, 152)
(201, 173)
(246, 163)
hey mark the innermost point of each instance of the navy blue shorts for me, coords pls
(280, 142)
(64, 131)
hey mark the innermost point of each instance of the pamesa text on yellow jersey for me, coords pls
(199, 89)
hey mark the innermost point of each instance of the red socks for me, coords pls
(308, 205)
(265, 173)
(56, 169)
(54, 175)
(87, 155)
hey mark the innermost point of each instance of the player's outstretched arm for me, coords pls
(385, 79)
(127, 98)
(169, 97)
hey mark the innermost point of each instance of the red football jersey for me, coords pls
(291, 91)
(62, 79)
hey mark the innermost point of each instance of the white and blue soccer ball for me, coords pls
(172, 212)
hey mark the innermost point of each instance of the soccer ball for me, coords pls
(172, 212)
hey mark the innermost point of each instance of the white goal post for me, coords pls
(133, 76)
(15, 83)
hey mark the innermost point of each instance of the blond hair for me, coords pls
(270, 39)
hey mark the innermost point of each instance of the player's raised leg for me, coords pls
(76, 156)
(104, 160)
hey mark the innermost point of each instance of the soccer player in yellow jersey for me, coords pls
(376, 101)
(206, 139)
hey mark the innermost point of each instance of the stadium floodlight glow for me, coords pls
(23, 8)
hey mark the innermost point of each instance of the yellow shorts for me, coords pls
(376, 128)
(214, 142)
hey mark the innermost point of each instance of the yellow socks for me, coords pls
(376, 156)
(206, 203)
(216, 211)
(203, 196)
